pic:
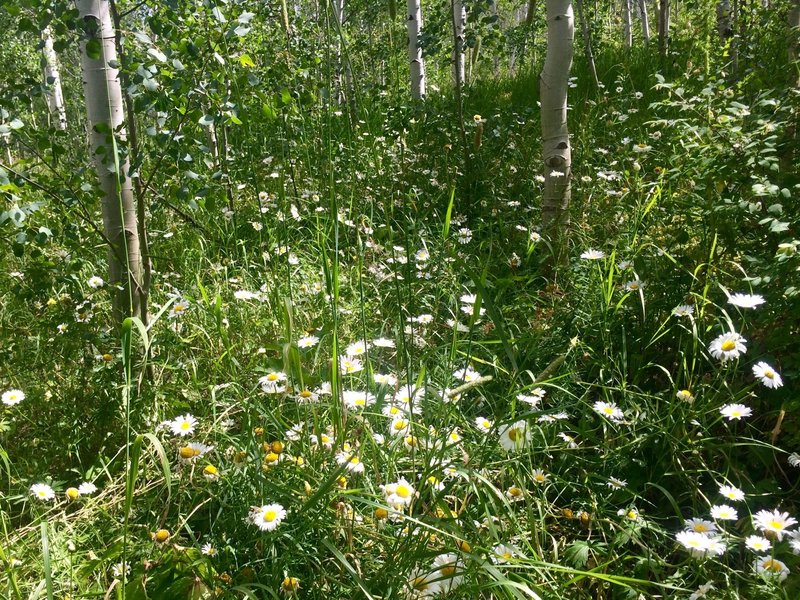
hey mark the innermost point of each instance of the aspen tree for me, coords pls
(645, 21)
(459, 26)
(628, 31)
(52, 80)
(105, 112)
(554, 83)
(416, 61)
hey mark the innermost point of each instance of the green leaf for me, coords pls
(246, 61)
(157, 54)
(93, 49)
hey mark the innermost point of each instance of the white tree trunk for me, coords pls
(626, 14)
(105, 114)
(645, 21)
(554, 83)
(416, 61)
(587, 42)
(52, 81)
(794, 41)
(459, 26)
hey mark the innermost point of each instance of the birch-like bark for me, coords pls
(626, 16)
(554, 83)
(105, 112)
(645, 21)
(459, 26)
(52, 81)
(416, 61)
(586, 33)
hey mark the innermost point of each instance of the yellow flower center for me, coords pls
(448, 570)
(398, 425)
(769, 374)
(539, 477)
(513, 434)
(514, 491)
(270, 516)
(354, 460)
(507, 555)
(772, 565)
(72, 493)
(210, 470)
(185, 425)
(305, 394)
(608, 410)
(728, 345)
(272, 377)
(776, 524)
(700, 528)
(402, 491)
(411, 440)
(381, 513)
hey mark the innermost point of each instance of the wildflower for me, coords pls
(422, 255)
(633, 285)
(400, 427)
(348, 366)
(794, 459)
(758, 543)
(211, 473)
(246, 295)
(182, 425)
(267, 517)
(735, 411)
(87, 488)
(768, 376)
(731, 492)
(608, 410)
(700, 526)
(774, 521)
(178, 308)
(539, 476)
(383, 343)
(399, 493)
(208, 550)
(12, 397)
(503, 553)
(356, 349)
(448, 570)
(593, 255)
(290, 585)
(728, 345)
(354, 399)
(273, 382)
(746, 300)
(306, 396)
(514, 436)
(483, 424)
(684, 395)
(464, 235)
(421, 584)
(723, 512)
(641, 148)
(616, 484)
(684, 310)
(308, 341)
(351, 461)
(771, 568)
(700, 545)
(42, 491)
(702, 591)
(161, 536)
(467, 374)
(568, 439)
(515, 494)
(117, 570)
(384, 379)
(72, 493)
(95, 282)
(194, 450)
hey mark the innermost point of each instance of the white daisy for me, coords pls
(267, 517)
(723, 512)
(182, 425)
(42, 492)
(700, 526)
(12, 397)
(514, 437)
(308, 341)
(483, 424)
(87, 488)
(758, 543)
(593, 255)
(400, 493)
(383, 343)
(731, 492)
(774, 521)
(503, 553)
(727, 346)
(746, 300)
(608, 410)
(735, 412)
(95, 282)
(771, 568)
(768, 376)
(351, 461)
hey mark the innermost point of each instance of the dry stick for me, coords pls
(469, 385)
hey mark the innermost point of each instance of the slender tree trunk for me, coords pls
(554, 83)
(415, 58)
(52, 81)
(459, 25)
(724, 28)
(794, 42)
(645, 21)
(105, 112)
(626, 16)
(736, 34)
(586, 33)
(663, 27)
